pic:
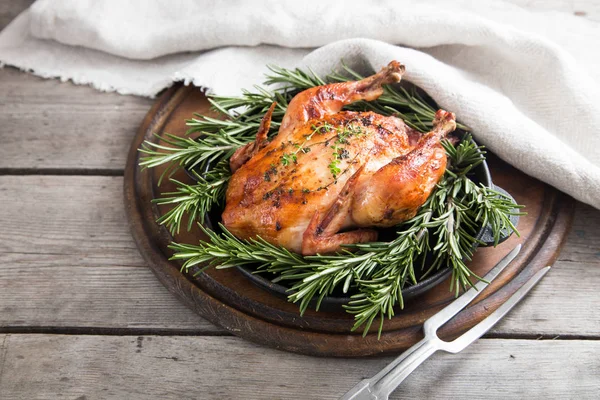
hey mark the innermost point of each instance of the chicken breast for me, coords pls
(330, 176)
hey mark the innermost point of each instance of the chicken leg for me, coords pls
(320, 101)
(321, 236)
(397, 190)
(246, 152)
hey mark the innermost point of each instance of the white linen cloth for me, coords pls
(528, 84)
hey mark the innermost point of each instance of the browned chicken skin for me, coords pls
(330, 175)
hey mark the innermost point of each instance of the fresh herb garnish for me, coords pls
(444, 226)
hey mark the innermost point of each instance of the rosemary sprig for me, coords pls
(187, 152)
(193, 199)
(382, 291)
(293, 80)
(444, 226)
(443, 229)
(225, 251)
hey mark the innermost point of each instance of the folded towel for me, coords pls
(527, 84)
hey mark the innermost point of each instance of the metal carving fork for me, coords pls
(385, 382)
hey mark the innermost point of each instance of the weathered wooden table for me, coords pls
(82, 317)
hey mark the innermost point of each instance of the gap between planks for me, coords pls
(3, 351)
(61, 171)
(109, 331)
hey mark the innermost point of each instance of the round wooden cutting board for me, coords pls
(228, 299)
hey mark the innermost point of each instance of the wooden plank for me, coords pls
(50, 125)
(68, 235)
(37, 297)
(67, 259)
(175, 367)
(567, 299)
(79, 216)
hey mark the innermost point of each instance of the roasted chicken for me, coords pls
(330, 176)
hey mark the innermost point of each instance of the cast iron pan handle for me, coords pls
(486, 235)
